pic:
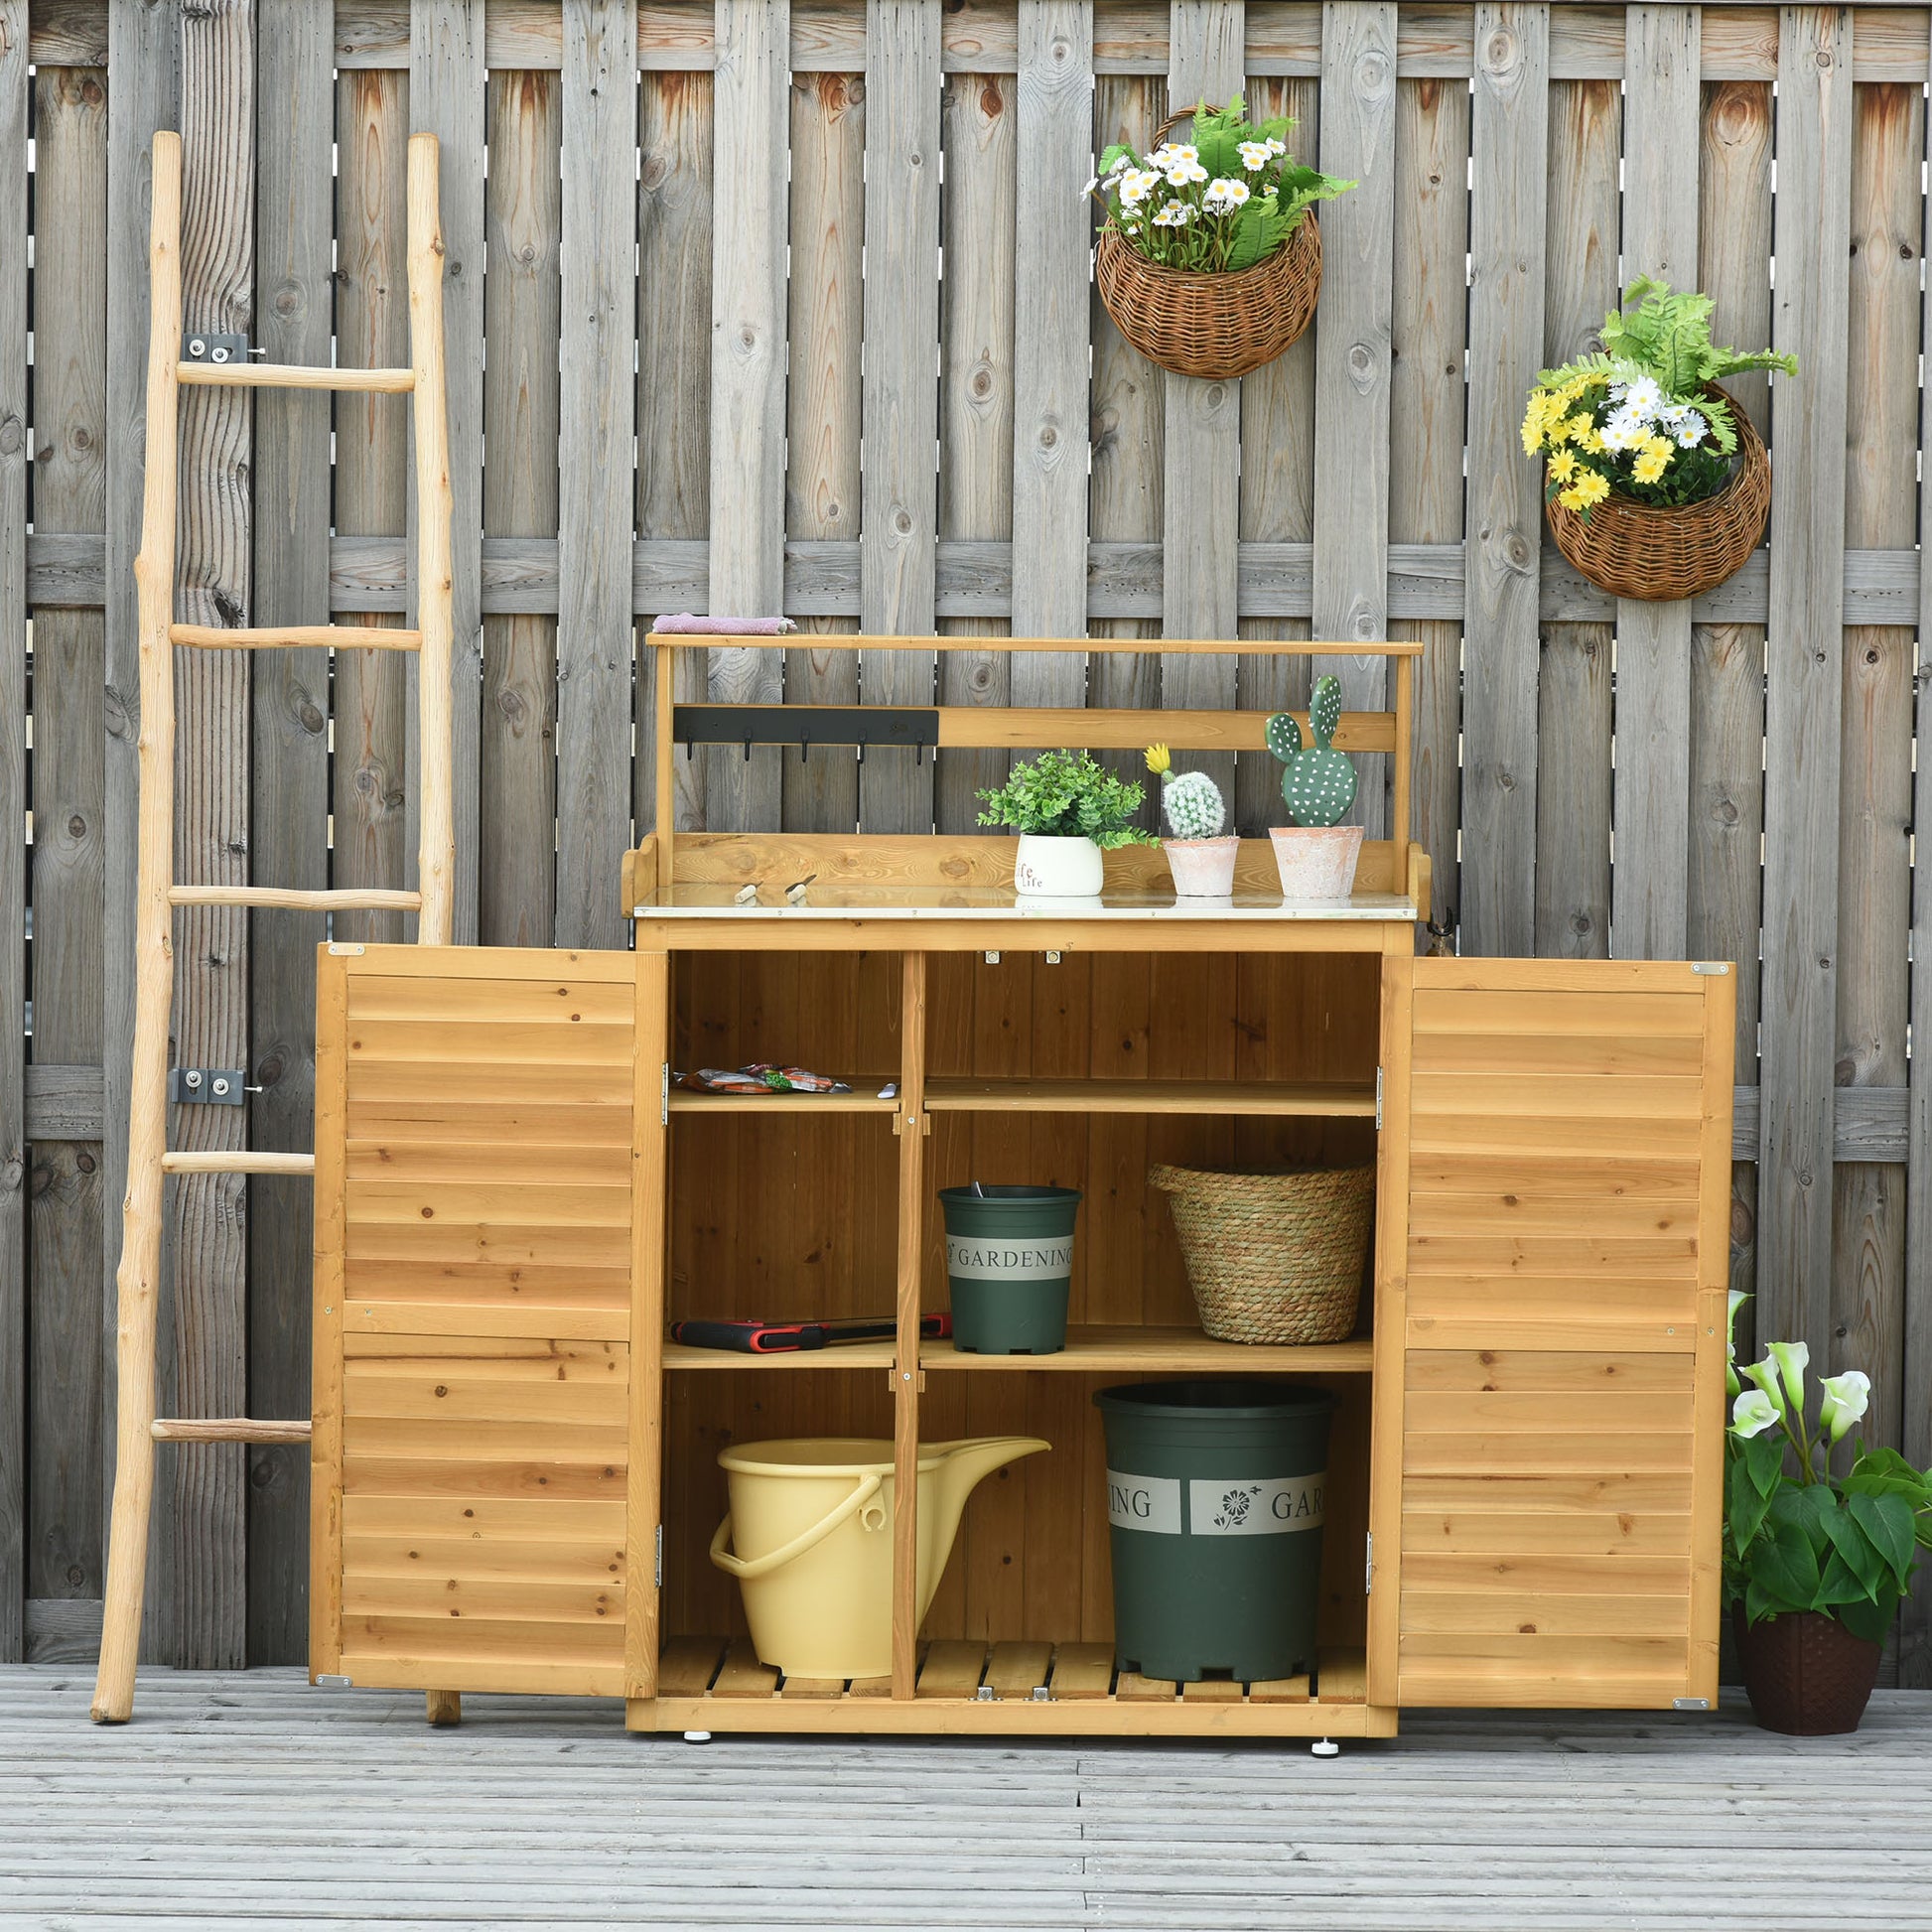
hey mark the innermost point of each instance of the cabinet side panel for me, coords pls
(485, 1241)
(1561, 1149)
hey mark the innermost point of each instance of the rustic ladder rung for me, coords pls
(293, 375)
(293, 637)
(292, 899)
(138, 1276)
(238, 1160)
(228, 1429)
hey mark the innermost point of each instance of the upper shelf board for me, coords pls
(942, 902)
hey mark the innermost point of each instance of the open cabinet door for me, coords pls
(477, 1209)
(1551, 1256)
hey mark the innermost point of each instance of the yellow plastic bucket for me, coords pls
(810, 1540)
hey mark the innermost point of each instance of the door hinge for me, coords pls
(326, 1681)
(1368, 1563)
(1690, 1703)
(1716, 967)
(658, 1573)
(664, 1095)
(1378, 1100)
(207, 1086)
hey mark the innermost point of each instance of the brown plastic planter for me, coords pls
(1808, 1676)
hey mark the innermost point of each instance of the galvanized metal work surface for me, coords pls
(253, 1800)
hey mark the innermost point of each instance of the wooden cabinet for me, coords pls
(515, 1477)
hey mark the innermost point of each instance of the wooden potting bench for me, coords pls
(515, 1473)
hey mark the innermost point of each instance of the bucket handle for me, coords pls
(747, 1567)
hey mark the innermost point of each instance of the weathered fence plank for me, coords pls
(899, 522)
(1509, 196)
(673, 380)
(446, 98)
(1353, 355)
(1653, 639)
(977, 372)
(750, 228)
(70, 477)
(1724, 872)
(1201, 490)
(1428, 394)
(594, 628)
(295, 113)
(822, 487)
(1574, 706)
(16, 90)
(1866, 1315)
(518, 888)
(1804, 700)
(211, 828)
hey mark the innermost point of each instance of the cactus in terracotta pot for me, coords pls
(1317, 781)
(1315, 854)
(1200, 857)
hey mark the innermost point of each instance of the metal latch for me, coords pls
(204, 345)
(207, 1086)
(324, 1681)
(1717, 968)
(1368, 1563)
(1690, 1703)
(657, 1575)
(1378, 1100)
(664, 1096)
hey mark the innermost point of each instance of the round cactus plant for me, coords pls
(1317, 781)
(1192, 799)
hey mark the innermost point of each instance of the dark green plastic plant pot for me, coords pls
(1009, 1258)
(1215, 1495)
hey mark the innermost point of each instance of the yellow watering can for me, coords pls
(811, 1521)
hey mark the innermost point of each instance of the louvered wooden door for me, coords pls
(476, 1220)
(1550, 1345)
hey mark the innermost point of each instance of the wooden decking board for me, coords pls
(543, 1813)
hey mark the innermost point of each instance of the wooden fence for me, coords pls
(719, 253)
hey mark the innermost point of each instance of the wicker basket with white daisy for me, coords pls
(1657, 483)
(1209, 260)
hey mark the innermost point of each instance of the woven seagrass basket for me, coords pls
(1210, 326)
(1633, 550)
(1273, 1257)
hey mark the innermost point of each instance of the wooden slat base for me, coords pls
(239, 1161)
(715, 1684)
(228, 1429)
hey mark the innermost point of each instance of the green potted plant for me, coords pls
(1209, 260)
(1815, 1562)
(1067, 810)
(1315, 855)
(1199, 855)
(1657, 483)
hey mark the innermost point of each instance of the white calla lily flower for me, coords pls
(1732, 1384)
(1765, 1375)
(1847, 1398)
(1753, 1413)
(1792, 1358)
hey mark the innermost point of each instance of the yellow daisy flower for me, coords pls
(1651, 465)
(1590, 487)
(1592, 441)
(1577, 427)
(1570, 499)
(1563, 466)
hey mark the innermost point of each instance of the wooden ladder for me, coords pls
(137, 1429)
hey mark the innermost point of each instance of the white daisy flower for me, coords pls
(1162, 158)
(1179, 151)
(1225, 195)
(1690, 431)
(1276, 145)
(1136, 186)
(1176, 214)
(1254, 154)
(1184, 172)
(1645, 396)
(1624, 430)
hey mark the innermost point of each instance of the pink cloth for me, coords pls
(689, 625)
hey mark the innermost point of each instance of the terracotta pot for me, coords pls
(1808, 1676)
(1203, 868)
(1056, 868)
(1317, 861)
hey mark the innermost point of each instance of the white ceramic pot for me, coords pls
(1317, 861)
(1056, 868)
(1203, 868)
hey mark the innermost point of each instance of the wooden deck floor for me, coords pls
(255, 1801)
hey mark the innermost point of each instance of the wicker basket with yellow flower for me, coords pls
(1657, 485)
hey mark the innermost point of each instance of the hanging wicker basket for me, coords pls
(1631, 549)
(1210, 326)
(1273, 1257)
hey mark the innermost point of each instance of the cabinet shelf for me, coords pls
(1090, 1350)
(862, 1099)
(1322, 1099)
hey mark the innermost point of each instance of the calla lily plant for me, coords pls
(1798, 1536)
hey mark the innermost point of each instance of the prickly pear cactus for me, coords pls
(1317, 781)
(1192, 802)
